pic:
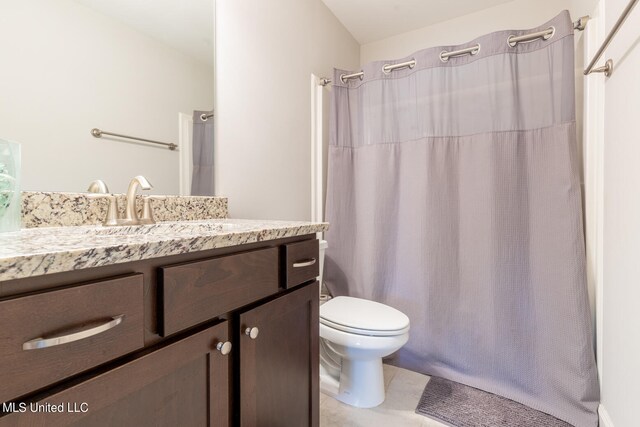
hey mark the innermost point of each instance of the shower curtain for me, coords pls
(202, 175)
(454, 196)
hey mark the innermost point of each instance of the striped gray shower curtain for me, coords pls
(454, 196)
(202, 156)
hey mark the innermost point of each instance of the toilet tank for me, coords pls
(324, 293)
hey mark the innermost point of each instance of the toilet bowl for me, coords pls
(355, 334)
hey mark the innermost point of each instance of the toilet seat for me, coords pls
(366, 332)
(363, 317)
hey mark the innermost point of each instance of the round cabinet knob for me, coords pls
(224, 347)
(252, 332)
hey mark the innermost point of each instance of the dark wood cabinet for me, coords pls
(161, 364)
(194, 292)
(301, 262)
(279, 366)
(66, 313)
(185, 384)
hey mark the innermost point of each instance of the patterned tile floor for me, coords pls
(403, 388)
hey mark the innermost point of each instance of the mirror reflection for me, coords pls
(142, 69)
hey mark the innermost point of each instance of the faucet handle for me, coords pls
(98, 186)
(112, 209)
(147, 209)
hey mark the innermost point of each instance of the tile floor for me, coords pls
(404, 389)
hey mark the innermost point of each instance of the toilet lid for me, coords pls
(362, 316)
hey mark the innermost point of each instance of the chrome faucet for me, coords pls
(130, 213)
(99, 190)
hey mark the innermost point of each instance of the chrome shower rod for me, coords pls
(607, 69)
(512, 40)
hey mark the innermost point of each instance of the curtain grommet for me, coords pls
(474, 50)
(345, 77)
(544, 35)
(388, 68)
(548, 36)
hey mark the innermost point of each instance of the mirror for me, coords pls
(138, 68)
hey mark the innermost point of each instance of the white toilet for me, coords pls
(355, 334)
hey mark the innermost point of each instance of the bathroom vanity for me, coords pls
(211, 322)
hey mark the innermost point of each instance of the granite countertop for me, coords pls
(37, 251)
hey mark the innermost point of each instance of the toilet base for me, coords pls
(361, 383)
(329, 384)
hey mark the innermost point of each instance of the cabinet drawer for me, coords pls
(185, 384)
(195, 292)
(301, 262)
(47, 337)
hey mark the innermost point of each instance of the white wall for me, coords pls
(266, 52)
(593, 165)
(621, 337)
(67, 69)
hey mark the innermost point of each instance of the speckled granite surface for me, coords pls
(41, 209)
(37, 251)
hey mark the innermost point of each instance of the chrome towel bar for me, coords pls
(98, 134)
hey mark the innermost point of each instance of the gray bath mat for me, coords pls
(459, 405)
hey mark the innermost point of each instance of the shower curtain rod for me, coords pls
(607, 68)
(512, 40)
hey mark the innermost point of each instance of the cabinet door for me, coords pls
(279, 361)
(182, 384)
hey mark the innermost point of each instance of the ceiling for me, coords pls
(185, 25)
(372, 20)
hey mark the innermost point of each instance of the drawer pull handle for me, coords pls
(252, 332)
(224, 347)
(305, 263)
(37, 343)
